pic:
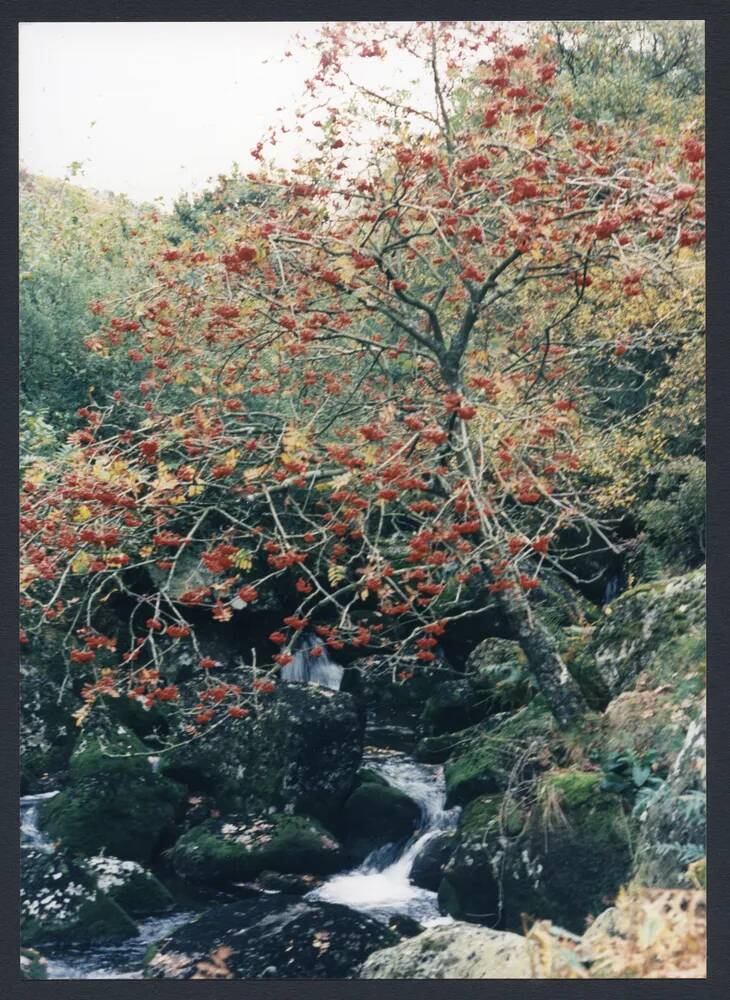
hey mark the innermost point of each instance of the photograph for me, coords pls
(362, 500)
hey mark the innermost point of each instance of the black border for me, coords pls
(716, 14)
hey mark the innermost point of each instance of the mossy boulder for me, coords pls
(498, 668)
(367, 774)
(391, 697)
(453, 705)
(456, 951)
(673, 823)
(377, 814)
(130, 885)
(486, 762)
(469, 887)
(438, 749)
(61, 903)
(219, 852)
(636, 626)
(114, 802)
(573, 854)
(300, 753)
(272, 937)
(32, 964)
(558, 855)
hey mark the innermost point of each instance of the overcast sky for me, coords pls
(152, 108)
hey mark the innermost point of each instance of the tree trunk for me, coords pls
(560, 691)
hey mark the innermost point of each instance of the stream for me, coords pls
(380, 886)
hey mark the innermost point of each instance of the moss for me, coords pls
(574, 788)
(133, 888)
(655, 715)
(438, 749)
(485, 766)
(640, 622)
(39, 762)
(575, 649)
(380, 811)
(143, 897)
(571, 859)
(366, 775)
(114, 802)
(554, 856)
(94, 921)
(488, 814)
(220, 851)
(60, 902)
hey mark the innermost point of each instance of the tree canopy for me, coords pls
(393, 384)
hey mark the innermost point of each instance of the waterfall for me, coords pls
(307, 669)
(30, 835)
(381, 885)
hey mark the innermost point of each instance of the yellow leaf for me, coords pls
(81, 562)
(295, 440)
(27, 575)
(335, 574)
(82, 514)
(242, 559)
(35, 475)
(81, 714)
(195, 490)
(251, 474)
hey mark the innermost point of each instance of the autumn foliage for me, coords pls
(372, 385)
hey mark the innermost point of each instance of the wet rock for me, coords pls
(301, 753)
(292, 885)
(277, 937)
(469, 887)
(219, 852)
(437, 749)
(61, 902)
(452, 705)
(114, 802)
(377, 814)
(560, 858)
(428, 866)
(390, 737)
(130, 885)
(32, 964)
(456, 951)
(393, 699)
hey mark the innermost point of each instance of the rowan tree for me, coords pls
(373, 385)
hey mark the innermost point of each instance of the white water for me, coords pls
(308, 669)
(113, 961)
(381, 886)
(30, 835)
